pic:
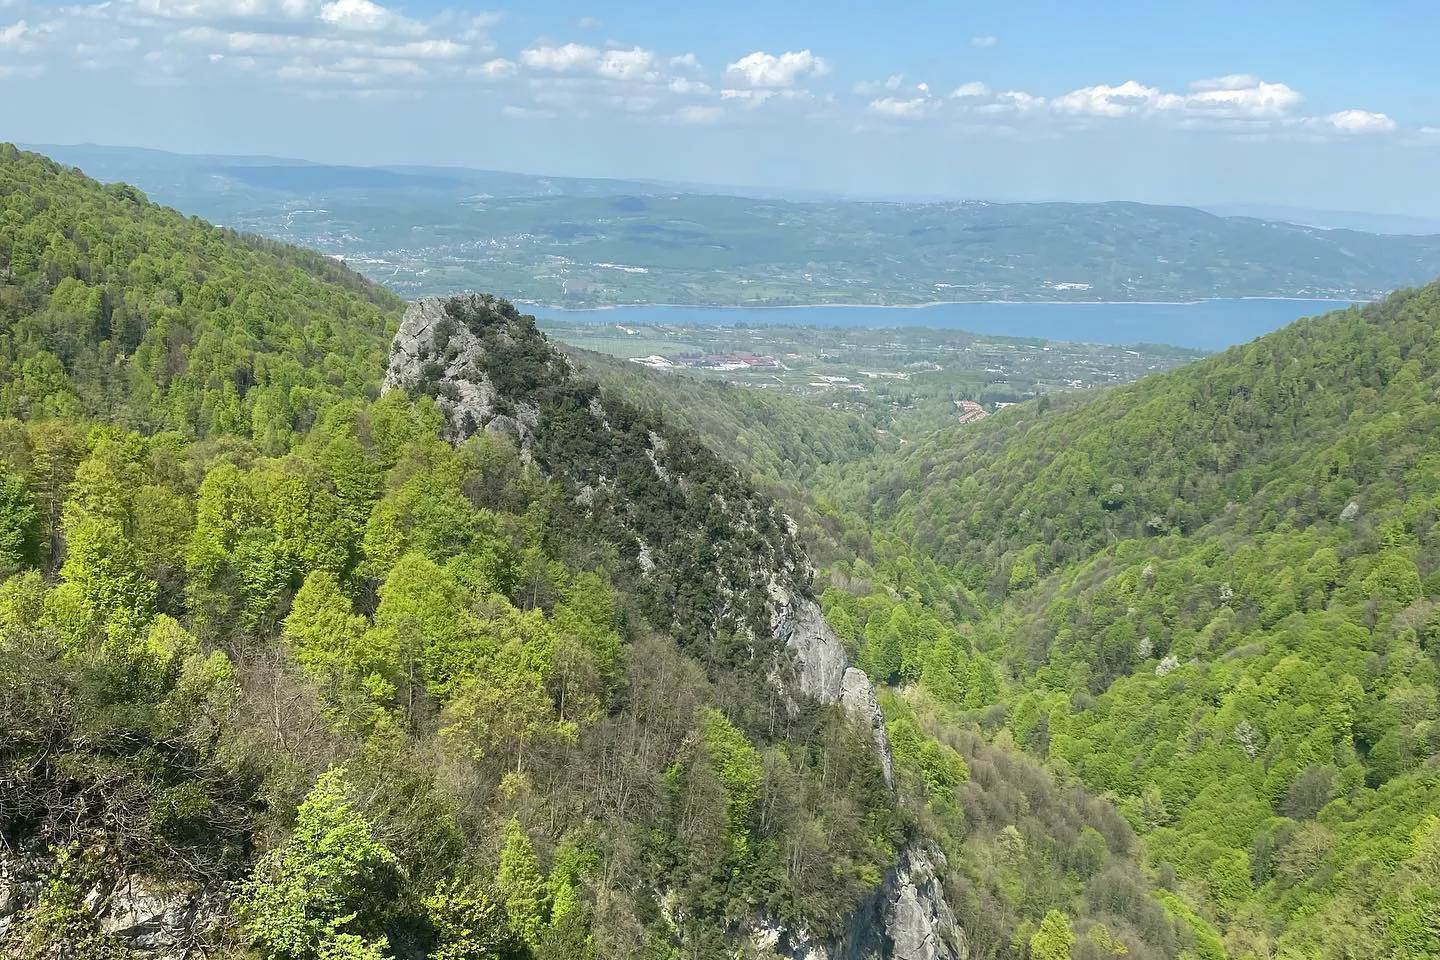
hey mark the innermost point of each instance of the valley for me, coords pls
(583, 243)
(339, 627)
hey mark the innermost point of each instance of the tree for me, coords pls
(468, 924)
(738, 767)
(521, 886)
(313, 898)
(1054, 939)
(17, 520)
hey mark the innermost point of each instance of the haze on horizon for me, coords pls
(1320, 109)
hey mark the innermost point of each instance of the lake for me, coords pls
(1206, 325)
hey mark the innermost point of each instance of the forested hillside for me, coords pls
(295, 669)
(1211, 597)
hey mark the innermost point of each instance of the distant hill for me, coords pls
(1391, 223)
(332, 632)
(1216, 593)
(579, 242)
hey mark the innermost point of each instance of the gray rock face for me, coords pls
(155, 919)
(788, 943)
(152, 919)
(431, 347)
(1351, 511)
(435, 352)
(918, 920)
(857, 693)
(819, 656)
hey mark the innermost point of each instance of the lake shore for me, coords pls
(1202, 324)
(601, 308)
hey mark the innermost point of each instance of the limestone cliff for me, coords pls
(686, 526)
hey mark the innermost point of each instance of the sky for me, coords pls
(1317, 104)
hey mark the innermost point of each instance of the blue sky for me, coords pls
(1319, 104)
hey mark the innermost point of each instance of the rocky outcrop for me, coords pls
(857, 694)
(820, 660)
(485, 365)
(908, 918)
(156, 919)
(918, 920)
(435, 352)
(151, 918)
(787, 943)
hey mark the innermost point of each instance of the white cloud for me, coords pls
(497, 69)
(587, 23)
(1360, 121)
(229, 9)
(1103, 100)
(566, 59)
(903, 109)
(970, 91)
(685, 61)
(365, 16)
(983, 42)
(279, 44)
(14, 36)
(923, 87)
(1239, 97)
(357, 71)
(632, 64)
(1013, 101)
(762, 69)
(699, 114)
(687, 87)
(750, 97)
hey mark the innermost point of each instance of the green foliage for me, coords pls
(306, 899)
(17, 522)
(468, 924)
(521, 886)
(1054, 940)
(114, 307)
(737, 766)
(59, 927)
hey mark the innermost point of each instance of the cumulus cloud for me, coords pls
(280, 44)
(497, 69)
(1103, 100)
(1235, 97)
(685, 61)
(632, 64)
(902, 108)
(983, 42)
(1239, 95)
(762, 69)
(229, 9)
(14, 36)
(1360, 121)
(366, 16)
(751, 97)
(970, 91)
(563, 59)
(1013, 101)
(686, 87)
